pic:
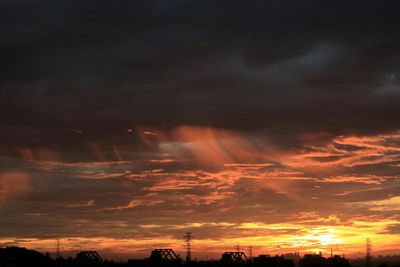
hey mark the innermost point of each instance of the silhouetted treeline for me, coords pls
(22, 257)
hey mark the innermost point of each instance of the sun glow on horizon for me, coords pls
(343, 239)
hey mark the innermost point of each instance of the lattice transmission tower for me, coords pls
(368, 256)
(58, 250)
(188, 240)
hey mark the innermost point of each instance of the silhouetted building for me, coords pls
(312, 260)
(295, 257)
(337, 261)
(316, 260)
(275, 261)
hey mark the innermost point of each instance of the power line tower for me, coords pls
(58, 244)
(368, 256)
(251, 252)
(188, 239)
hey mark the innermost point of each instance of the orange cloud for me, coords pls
(278, 200)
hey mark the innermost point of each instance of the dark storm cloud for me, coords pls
(287, 66)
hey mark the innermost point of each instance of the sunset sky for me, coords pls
(273, 124)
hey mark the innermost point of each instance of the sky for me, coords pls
(263, 123)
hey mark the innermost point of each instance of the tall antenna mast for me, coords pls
(188, 239)
(368, 256)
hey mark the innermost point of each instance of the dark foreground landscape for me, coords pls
(20, 257)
